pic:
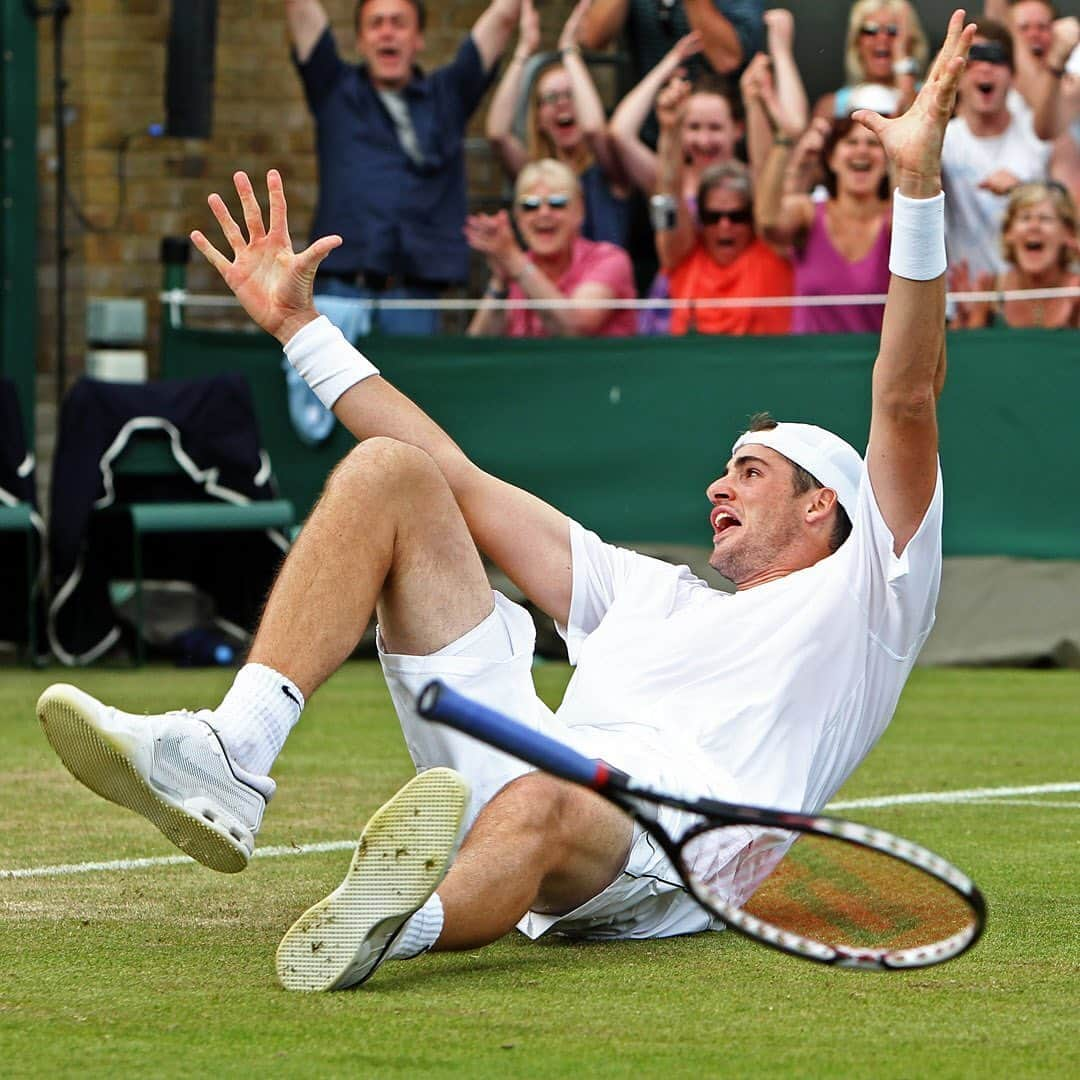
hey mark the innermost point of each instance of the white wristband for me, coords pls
(326, 361)
(917, 251)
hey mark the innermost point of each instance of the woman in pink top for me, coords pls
(839, 246)
(560, 263)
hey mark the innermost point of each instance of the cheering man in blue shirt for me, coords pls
(390, 141)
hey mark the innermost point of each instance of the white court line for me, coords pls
(970, 795)
(169, 860)
(950, 796)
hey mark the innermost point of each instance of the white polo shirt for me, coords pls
(769, 696)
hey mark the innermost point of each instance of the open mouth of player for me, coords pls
(723, 520)
(1034, 245)
(985, 88)
(860, 166)
(565, 121)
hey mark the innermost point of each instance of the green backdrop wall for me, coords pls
(625, 434)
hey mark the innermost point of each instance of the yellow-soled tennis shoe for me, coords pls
(404, 852)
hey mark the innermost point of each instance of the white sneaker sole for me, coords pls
(102, 761)
(404, 852)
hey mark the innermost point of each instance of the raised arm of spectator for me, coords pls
(499, 124)
(731, 30)
(780, 44)
(602, 23)
(783, 216)
(909, 372)
(1040, 83)
(306, 21)
(638, 161)
(491, 33)
(673, 245)
(1050, 106)
(588, 108)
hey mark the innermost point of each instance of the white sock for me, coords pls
(256, 716)
(421, 931)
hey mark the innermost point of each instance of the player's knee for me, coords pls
(544, 808)
(383, 462)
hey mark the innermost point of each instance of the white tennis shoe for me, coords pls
(170, 768)
(404, 852)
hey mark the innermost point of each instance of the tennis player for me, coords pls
(771, 695)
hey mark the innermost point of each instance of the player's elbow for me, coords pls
(907, 404)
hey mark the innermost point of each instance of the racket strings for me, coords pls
(846, 896)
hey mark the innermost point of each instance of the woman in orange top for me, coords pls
(725, 259)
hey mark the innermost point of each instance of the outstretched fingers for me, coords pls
(210, 253)
(253, 218)
(870, 120)
(279, 211)
(949, 62)
(229, 228)
(307, 261)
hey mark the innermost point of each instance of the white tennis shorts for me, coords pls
(646, 900)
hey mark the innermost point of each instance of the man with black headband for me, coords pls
(988, 151)
(770, 695)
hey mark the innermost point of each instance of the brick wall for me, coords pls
(115, 55)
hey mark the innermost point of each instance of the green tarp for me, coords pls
(626, 434)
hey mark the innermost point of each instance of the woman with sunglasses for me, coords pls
(723, 259)
(559, 264)
(1039, 240)
(566, 122)
(840, 246)
(884, 53)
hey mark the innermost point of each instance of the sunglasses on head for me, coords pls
(989, 51)
(735, 217)
(529, 203)
(872, 29)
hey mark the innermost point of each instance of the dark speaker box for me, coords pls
(189, 73)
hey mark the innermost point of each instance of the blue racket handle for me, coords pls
(438, 702)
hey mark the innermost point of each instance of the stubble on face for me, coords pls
(758, 545)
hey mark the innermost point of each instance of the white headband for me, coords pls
(832, 461)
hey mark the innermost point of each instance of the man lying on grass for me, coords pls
(771, 695)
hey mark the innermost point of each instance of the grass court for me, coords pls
(165, 969)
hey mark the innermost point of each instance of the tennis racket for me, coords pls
(824, 889)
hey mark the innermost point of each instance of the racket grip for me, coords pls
(438, 702)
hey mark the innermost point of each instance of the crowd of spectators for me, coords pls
(746, 191)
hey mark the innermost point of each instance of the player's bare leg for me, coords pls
(386, 531)
(542, 844)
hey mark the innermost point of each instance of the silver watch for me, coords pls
(663, 213)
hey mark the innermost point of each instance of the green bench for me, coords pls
(148, 454)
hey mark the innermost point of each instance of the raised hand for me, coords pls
(493, 236)
(779, 29)
(528, 30)
(670, 103)
(688, 45)
(750, 82)
(913, 141)
(271, 281)
(568, 36)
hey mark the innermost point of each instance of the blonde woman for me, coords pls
(1039, 240)
(566, 122)
(884, 53)
(560, 263)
